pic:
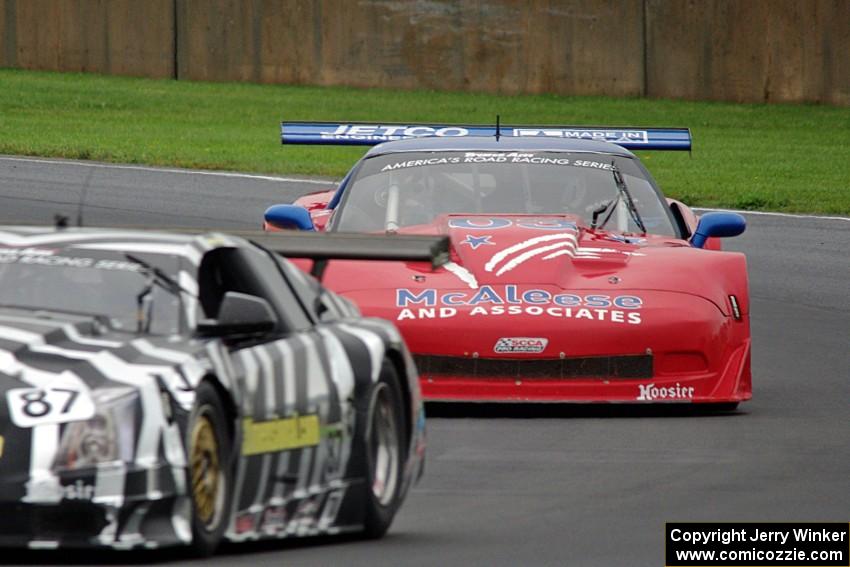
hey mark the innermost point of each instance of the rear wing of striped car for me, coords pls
(324, 246)
(373, 133)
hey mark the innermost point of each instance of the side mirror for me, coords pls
(288, 217)
(717, 225)
(239, 314)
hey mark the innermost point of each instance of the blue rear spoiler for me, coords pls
(373, 133)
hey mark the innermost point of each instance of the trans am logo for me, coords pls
(531, 345)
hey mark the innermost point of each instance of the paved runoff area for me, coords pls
(553, 485)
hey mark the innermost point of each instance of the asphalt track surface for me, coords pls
(554, 485)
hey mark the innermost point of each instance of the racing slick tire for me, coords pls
(724, 407)
(384, 447)
(209, 474)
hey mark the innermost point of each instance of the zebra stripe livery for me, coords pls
(97, 393)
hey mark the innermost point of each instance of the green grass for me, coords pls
(751, 156)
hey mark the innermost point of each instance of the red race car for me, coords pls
(572, 278)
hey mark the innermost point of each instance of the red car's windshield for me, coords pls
(406, 189)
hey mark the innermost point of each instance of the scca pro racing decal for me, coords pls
(651, 392)
(521, 344)
(488, 301)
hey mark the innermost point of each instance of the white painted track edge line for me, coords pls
(169, 170)
(772, 214)
(328, 182)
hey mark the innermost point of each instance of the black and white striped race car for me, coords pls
(170, 389)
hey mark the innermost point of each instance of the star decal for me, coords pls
(476, 241)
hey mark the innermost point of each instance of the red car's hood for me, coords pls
(554, 251)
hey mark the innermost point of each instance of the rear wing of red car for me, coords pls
(373, 133)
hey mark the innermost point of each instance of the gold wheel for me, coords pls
(207, 478)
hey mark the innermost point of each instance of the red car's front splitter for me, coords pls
(733, 384)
